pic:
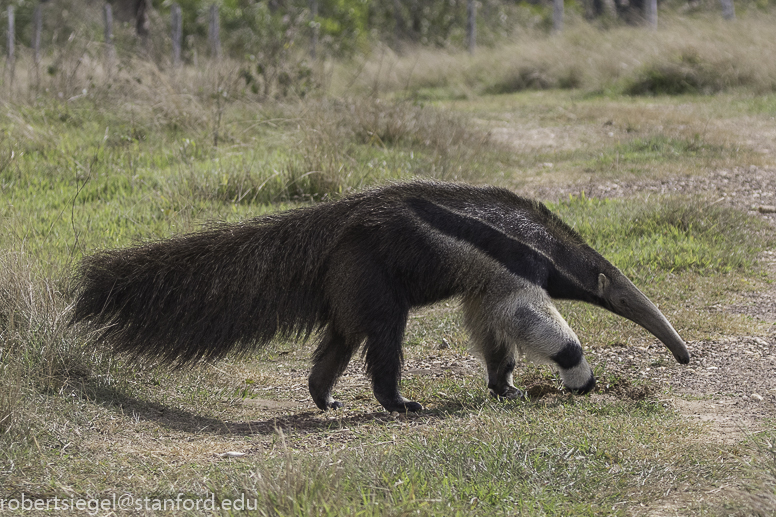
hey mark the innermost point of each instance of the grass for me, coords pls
(117, 167)
(498, 463)
(96, 417)
(562, 457)
(700, 53)
(87, 176)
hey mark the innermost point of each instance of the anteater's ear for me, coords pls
(603, 284)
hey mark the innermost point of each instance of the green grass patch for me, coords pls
(667, 235)
(76, 178)
(511, 461)
(658, 148)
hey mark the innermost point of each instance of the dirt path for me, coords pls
(748, 188)
(730, 382)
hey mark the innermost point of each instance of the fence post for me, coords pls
(314, 26)
(110, 51)
(398, 21)
(557, 16)
(37, 25)
(728, 11)
(650, 13)
(471, 25)
(610, 8)
(11, 40)
(213, 33)
(177, 34)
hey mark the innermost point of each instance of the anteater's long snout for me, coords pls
(628, 301)
(649, 316)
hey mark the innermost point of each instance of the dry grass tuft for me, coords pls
(39, 351)
(296, 484)
(442, 137)
(338, 146)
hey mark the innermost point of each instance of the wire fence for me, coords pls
(275, 48)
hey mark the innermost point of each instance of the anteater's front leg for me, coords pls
(500, 362)
(545, 337)
(524, 319)
(499, 355)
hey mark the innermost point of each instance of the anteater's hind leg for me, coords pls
(330, 360)
(366, 302)
(383, 363)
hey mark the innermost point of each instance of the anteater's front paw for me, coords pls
(587, 388)
(412, 407)
(507, 393)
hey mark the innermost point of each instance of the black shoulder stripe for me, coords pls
(518, 257)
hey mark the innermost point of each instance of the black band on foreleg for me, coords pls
(576, 373)
(569, 357)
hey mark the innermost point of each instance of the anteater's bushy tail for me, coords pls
(202, 295)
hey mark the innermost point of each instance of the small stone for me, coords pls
(766, 209)
(232, 454)
(757, 397)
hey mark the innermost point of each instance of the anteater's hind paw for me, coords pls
(403, 406)
(327, 404)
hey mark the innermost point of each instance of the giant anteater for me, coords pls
(353, 269)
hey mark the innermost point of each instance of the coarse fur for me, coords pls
(353, 269)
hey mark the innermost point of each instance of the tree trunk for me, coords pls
(650, 13)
